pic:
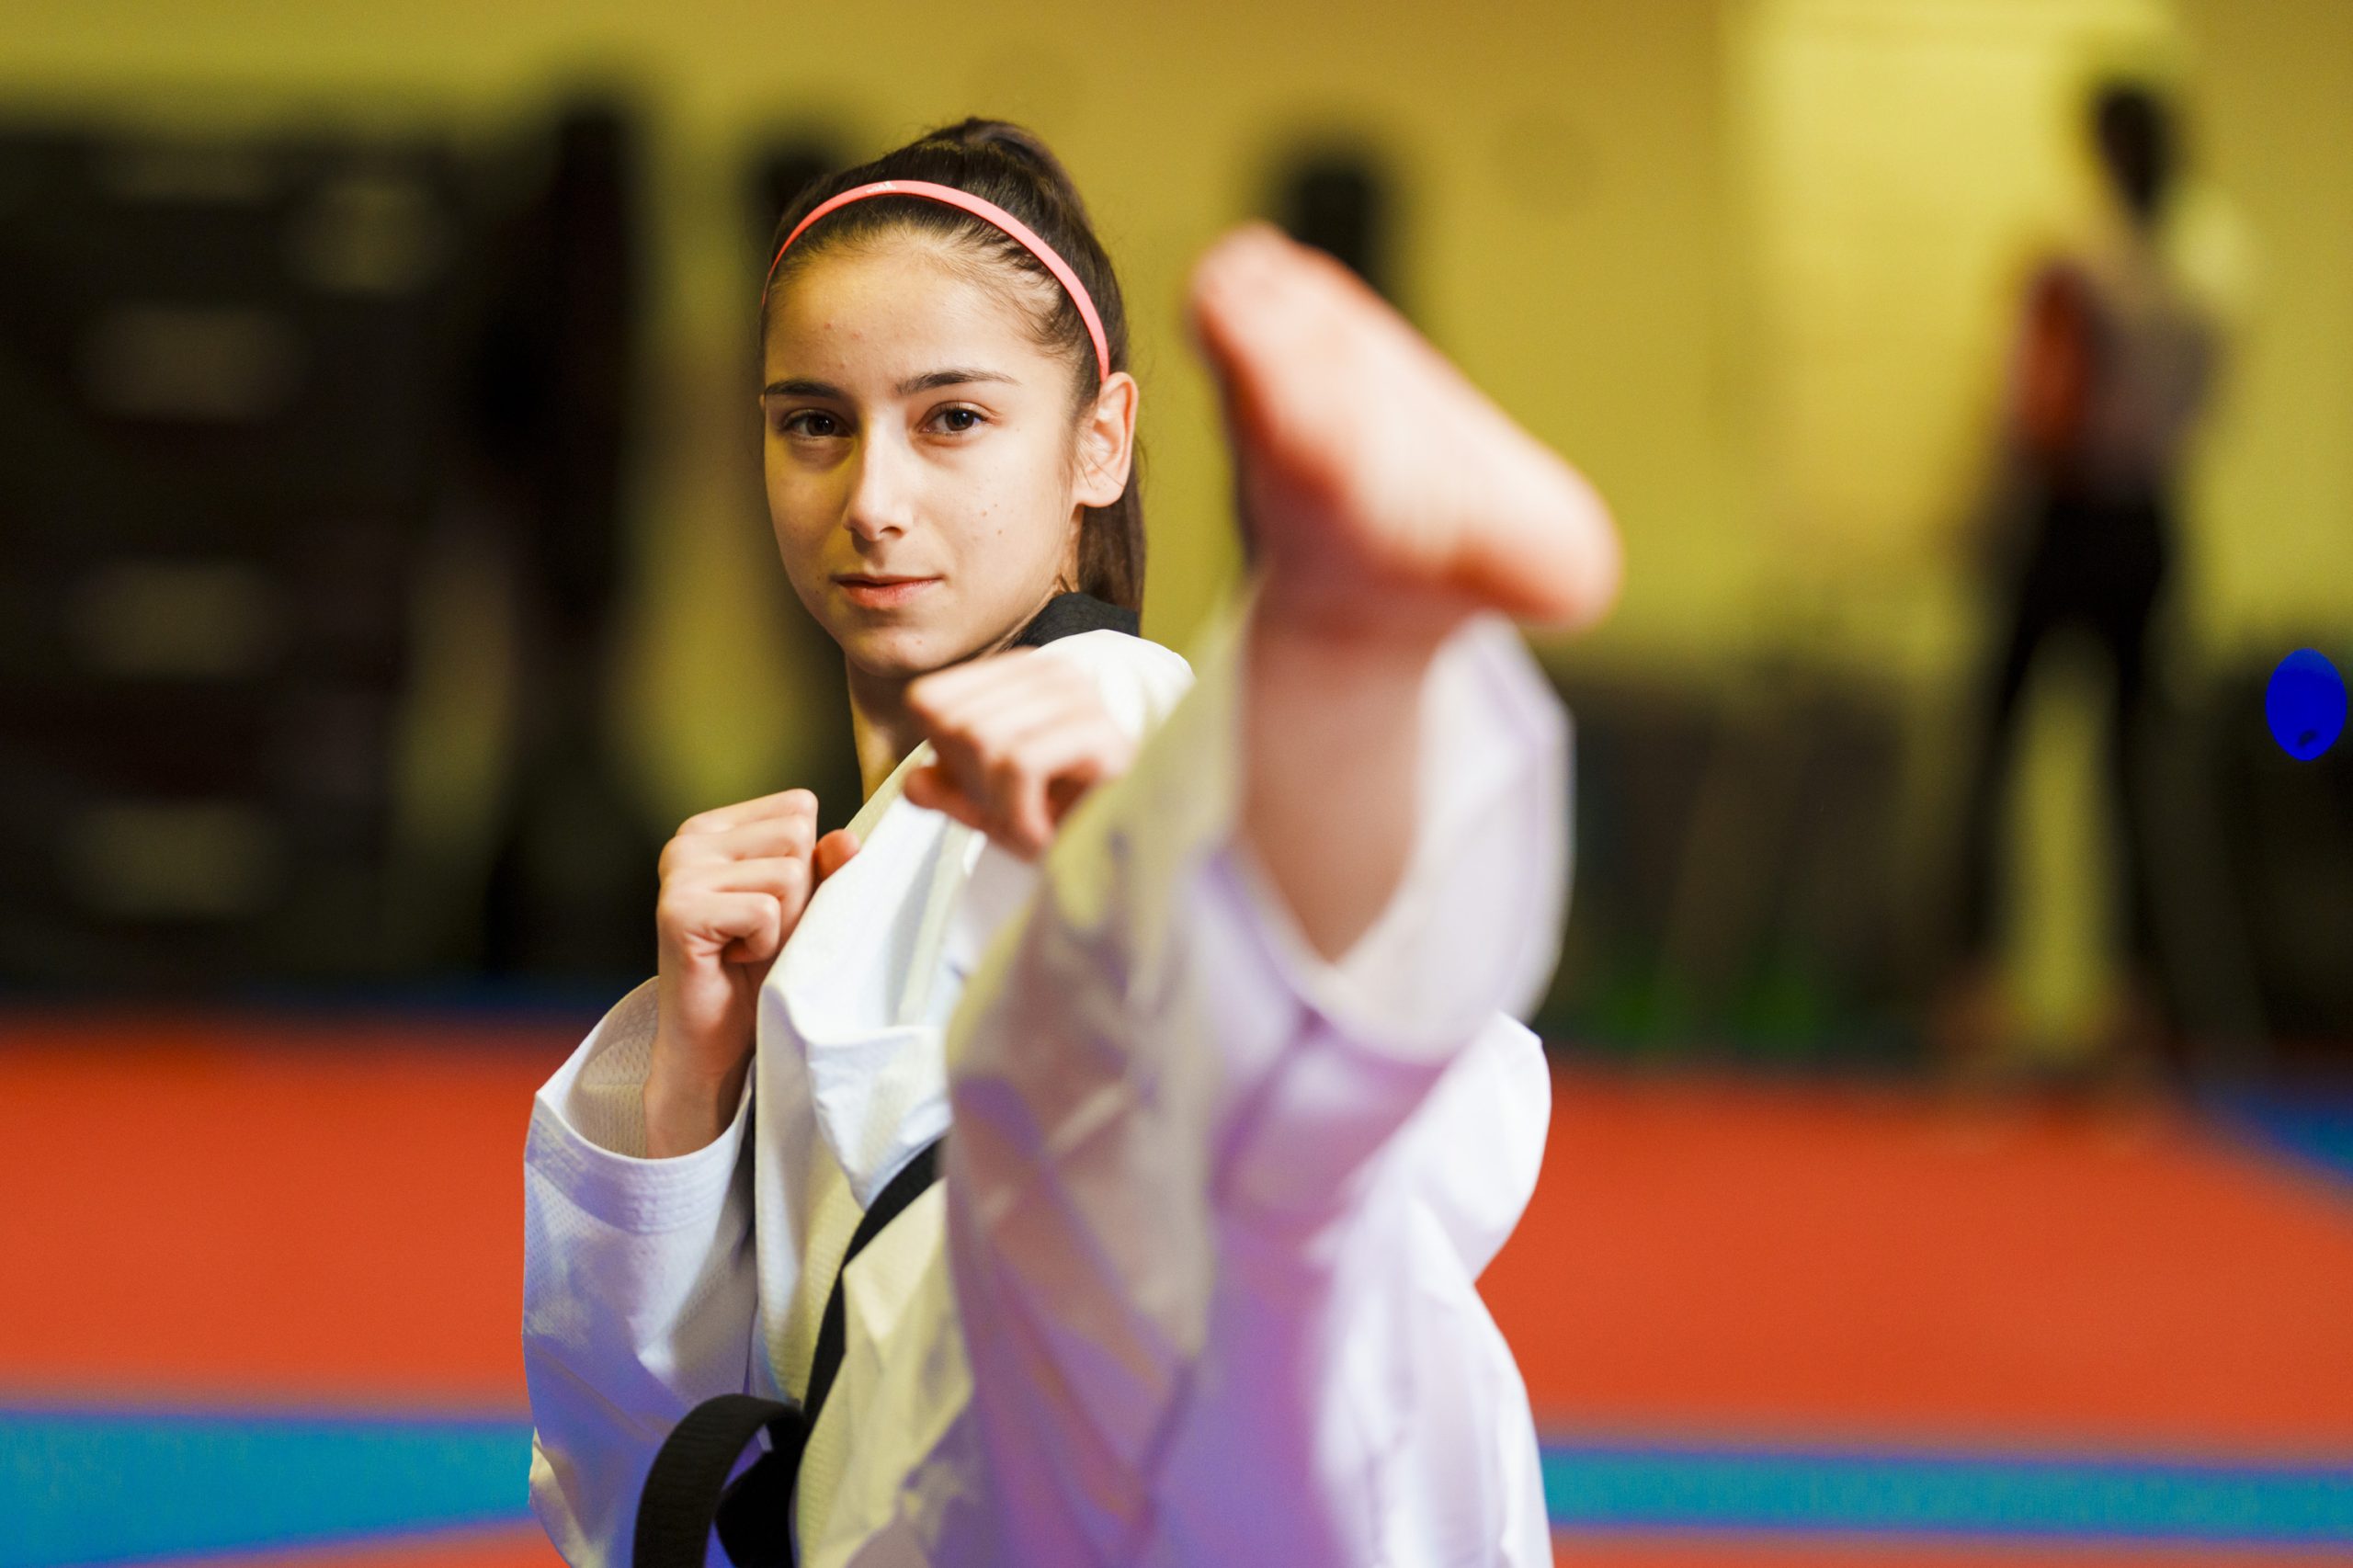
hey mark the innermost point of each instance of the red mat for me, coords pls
(330, 1214)
(275, 1214)
(1822, 1264)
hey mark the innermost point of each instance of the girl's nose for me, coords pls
(882, 489)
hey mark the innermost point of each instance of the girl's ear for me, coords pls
(1106, 442)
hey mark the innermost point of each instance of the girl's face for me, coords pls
(923, 472)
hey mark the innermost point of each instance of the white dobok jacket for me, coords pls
(1197, 1284)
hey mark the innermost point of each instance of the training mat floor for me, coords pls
(265, 1288)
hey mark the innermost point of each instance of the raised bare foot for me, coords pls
(1375, 481)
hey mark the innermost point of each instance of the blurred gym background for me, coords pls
(384, 573)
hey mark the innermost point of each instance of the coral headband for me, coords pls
(981, 209)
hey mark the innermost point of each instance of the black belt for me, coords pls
(686, 1491)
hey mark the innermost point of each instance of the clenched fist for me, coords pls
(1021, 737)
(735, 881)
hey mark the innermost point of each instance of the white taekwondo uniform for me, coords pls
(1197, 1284)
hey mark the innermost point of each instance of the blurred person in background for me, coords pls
(2112, 364)
(1233, 1114)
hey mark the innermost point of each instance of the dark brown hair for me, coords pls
(1006, 165)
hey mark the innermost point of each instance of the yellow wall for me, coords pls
(1901, 159)
(2275, 85)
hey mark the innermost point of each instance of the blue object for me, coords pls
(2305, 704)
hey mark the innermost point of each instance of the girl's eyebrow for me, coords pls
(802, 386)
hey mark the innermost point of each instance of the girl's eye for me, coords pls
(809, 422)
(958, 420)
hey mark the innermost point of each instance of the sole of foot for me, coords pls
(1375, 479)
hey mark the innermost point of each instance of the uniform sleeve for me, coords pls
(1198, 1262)
(639, 1291)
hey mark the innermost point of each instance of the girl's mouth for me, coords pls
(879, 592)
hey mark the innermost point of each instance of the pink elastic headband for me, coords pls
(979, 208)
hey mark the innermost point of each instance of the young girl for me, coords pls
(1237, 1113)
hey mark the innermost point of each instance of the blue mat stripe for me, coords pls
(2312, 1126)
(1614, 1488)
(108, 1487)
(82, 1489)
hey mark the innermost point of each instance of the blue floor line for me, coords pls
(1617, 1488)
(82, 1489)
(2310, 1125)
(96, 1488)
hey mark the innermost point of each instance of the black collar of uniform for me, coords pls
(1067, 615)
